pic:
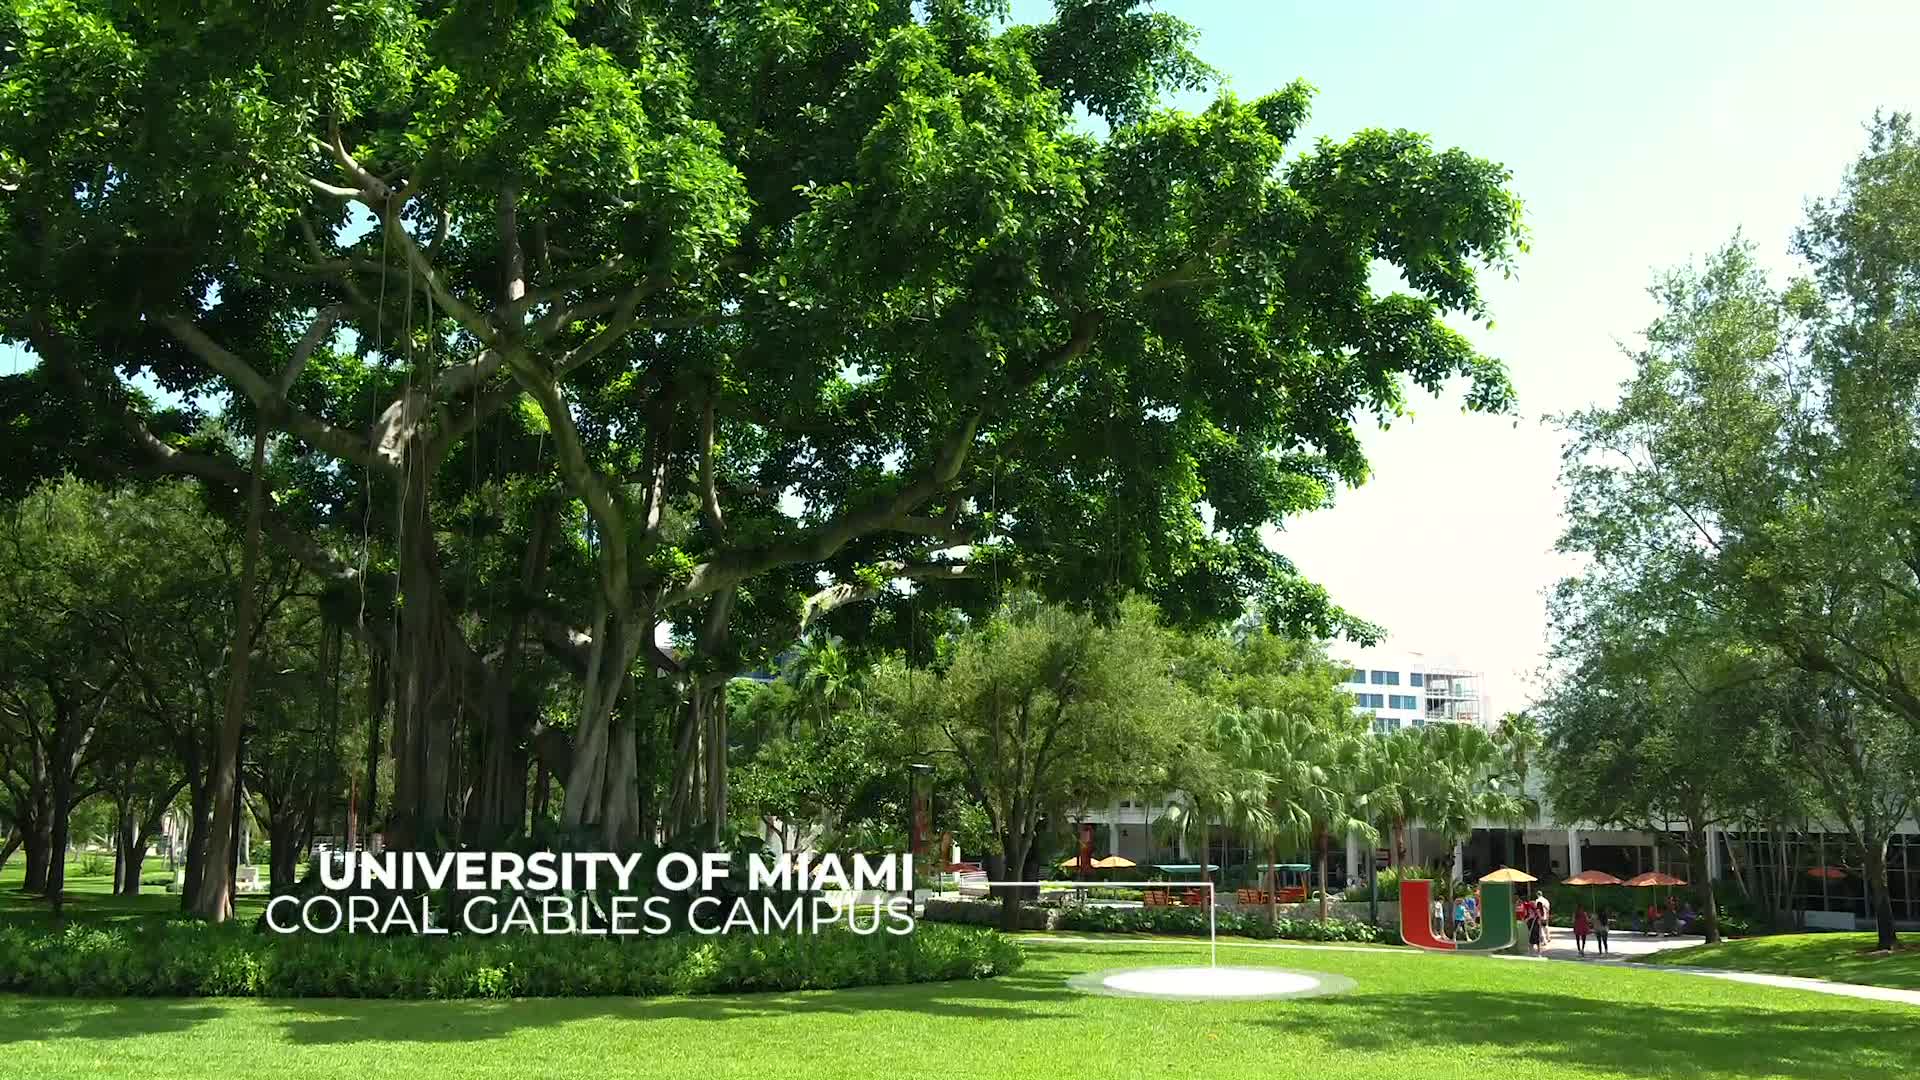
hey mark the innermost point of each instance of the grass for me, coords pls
(90, 897)
(1411, 1015)
(1839, 957)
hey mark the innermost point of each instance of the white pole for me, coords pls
(1213, 937)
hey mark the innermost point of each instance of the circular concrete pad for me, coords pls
(1210, 983)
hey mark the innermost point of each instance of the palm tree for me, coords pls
(1205, 784)
(1272, 751)
(824, 678)
(1342, 806)
(1401, 781)
(1470, 781)
(1519, 737)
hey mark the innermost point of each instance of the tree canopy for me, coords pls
(566, 322)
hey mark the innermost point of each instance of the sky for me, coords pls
(1640, 136)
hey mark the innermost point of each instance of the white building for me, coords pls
(1414, 689)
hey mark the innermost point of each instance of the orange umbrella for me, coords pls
(1651, 877)
(1592, 877)
(1831, 873)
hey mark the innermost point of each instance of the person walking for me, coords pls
(1546, 918)
(1581, 926)
(1535, 920)
(1601, 925)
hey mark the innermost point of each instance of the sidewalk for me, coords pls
(1623, 946)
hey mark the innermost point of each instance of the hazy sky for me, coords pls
(1640, 135)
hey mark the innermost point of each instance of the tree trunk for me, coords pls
(126, 861)
(717, 765)
(1017, 850)
(602, 790)
(685, 777)
(542, 788)
(379, 689)
(283, 862)
(435, 680)
(135, 860)
(1876, 872)
(14, 840)
(214, 899)
(1273, 881)
(199, 829)
(1324, 840)
(38, 840)
(60, 820)
(1697, 862)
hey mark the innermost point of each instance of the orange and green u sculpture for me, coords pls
(1496, 918)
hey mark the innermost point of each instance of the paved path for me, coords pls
(1622, 945)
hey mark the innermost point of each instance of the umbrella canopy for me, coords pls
(1650, 878)
(1831, 873)
(1592, 877)
(1113, 862)
(1508, 875)
(1072, 861)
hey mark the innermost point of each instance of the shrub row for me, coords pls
(988, 913)
(192, 959)
(1193, 920)
(1159, 920)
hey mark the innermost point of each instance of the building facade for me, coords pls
(1399, 690)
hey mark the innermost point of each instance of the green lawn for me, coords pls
(1839, 957)
(1412, 1015)
(89, 896)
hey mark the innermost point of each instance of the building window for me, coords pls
(1357, 676)
(1373, 701)
(1384, 725)
(1416, 679)
(1402, 701)
(1386, 678)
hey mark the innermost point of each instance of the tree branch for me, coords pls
(267, 396)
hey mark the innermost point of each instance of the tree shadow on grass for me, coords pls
(339, 1020)
(1633, 1038)
(31, 1019)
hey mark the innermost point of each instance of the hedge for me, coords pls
(1179, 919)
(1193, 920)
(186, 959)
(987, 913)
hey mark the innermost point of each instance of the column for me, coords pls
(1459, 861)
(1573, 851)
(1353, 857)
(1713, 853)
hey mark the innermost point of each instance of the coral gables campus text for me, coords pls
(600, 893)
